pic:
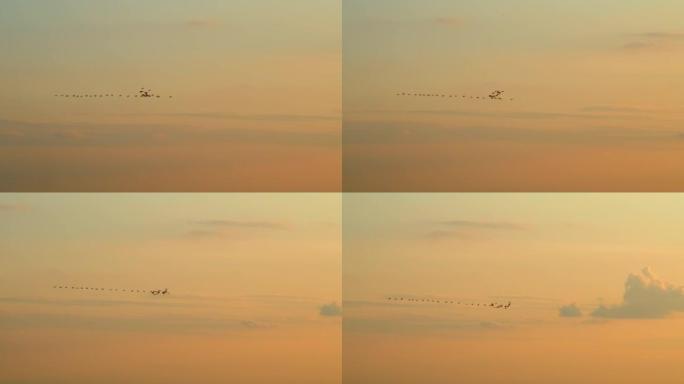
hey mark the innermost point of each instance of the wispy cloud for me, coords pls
(243, 117)
(97, 302)
(464, 228)
(452, 22)
(13, 207)
(393, 132)
(240, 224)
(429, 22)
(201, 23)
(479, 224)
(616, 109)
(654, 40)
(19, 133)
(216, 227)
(646, 296)
(251, 324)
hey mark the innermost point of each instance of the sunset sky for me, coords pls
(255, 86)
(254, 284)
(596, 88)
(301, 157)
(617, 258)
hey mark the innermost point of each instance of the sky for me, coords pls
(595, 281)
(254, 282)
(255, 89)
(595, 84)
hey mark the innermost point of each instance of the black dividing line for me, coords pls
(490, 305)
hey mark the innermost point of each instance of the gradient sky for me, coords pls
(253, 279)
(542, 252)
(256, 88)
(596, 85)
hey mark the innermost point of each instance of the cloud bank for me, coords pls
(646, 296)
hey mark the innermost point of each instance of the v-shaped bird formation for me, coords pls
(490, 305)
(496, 95)
(155, 292)
(141, 94)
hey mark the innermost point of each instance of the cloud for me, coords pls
(330, 310)
(570, 310)
(255, 324)
(19, 134)
(646, 296)
(377, 133)
(97, 302)
(207, 228)
(449, 21)
(286, 118)
(429, 22)
(201, 23)
(13, 207)
(461, 228)
(654, 40)
(240, 224)
(616, 109)
(479, 224)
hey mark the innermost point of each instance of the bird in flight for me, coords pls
(492, 305)
(496, 95)
(154, 292)
(142, 93)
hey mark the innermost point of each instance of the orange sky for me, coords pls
(595, 87)
(614, 258)
(254, 283)
(255, 89)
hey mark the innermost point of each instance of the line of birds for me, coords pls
(495, 95)
(154, 291)
(142, 93)
(491, 305)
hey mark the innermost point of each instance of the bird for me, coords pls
(495, 94)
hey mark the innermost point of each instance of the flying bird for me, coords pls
(496, 95)
(143, 93)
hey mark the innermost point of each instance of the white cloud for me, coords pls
(646, 296)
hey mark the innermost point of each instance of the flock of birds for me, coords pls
(495, 95)
(142, 93)
(491, 305)
(154, 292)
